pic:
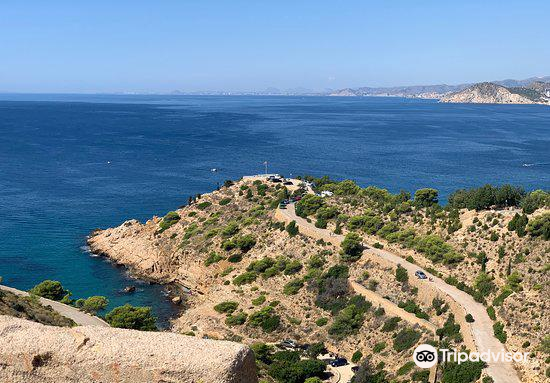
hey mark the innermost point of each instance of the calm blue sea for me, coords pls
(72, 163)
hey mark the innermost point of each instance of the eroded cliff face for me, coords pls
(34, 353)
(487, 93)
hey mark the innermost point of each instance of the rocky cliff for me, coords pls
(490, 93)
(33, 353)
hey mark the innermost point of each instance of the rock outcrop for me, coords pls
(33, 353)
(490, 93)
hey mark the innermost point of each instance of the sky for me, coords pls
(200, 45)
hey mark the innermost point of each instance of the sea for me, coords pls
(72, 163)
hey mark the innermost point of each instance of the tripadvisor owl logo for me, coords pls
(425, 356)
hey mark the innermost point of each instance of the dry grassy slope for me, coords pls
(179, 253)
(524, 312)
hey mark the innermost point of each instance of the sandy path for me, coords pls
(481, 329)
(79, 317)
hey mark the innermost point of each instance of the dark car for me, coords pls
(282, 205)
(288, 343)
(288, 183)
(339, 362)
(296, 198)
(355, 368)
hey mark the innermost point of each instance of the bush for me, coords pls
(486, 196)
(293, 267)
(357, 356)
(204, 205)
(226, 307)
(436, 250)
(465, 372)
(230, 229)
(236, 320)
(50, 289)
(316, 349)
(212, 258)
(378, 245)
(426, 197)
(295, 371)
(292, 229)
(469, 318)
(484, 284)
(245, 243)
(321, 322)
(535, 200)
(379, 347)
(245, 278)
(500, 334)
(352, 247)
(225, 201)
(391, 324)
(136, 318)
(94, 304)
(169, 219)
(265, 318)
(308, 205)
(406, 368)
(347, 322)
(321, 223)
(539, 226)
(518, 224)
(292, 287)
(401, 274)
(259, 301)
(405, 339)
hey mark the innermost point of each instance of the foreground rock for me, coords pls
(31, 352)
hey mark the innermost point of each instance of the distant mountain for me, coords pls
(491, 93)
(442, 90)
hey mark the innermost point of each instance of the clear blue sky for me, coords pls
(163, 45)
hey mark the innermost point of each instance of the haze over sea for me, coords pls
(72, 163)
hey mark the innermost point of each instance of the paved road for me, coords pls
(79, 317)
(482, 328)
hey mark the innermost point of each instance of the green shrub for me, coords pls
(265, 318)
(292, 287)
(308, 205)
(136, 318)
(378, 245)
(491, 312)
(204, 205)
(236, 320)
(539, 226)
(321, 322)
(169, 219)
(535, 200)
(500, 334)
(436, 250)
(259, 301)
(225, 201)
(230, 229)
(352, 248)
(94, 304)
(212, 258)
(401, 274)
(465, 372)
(347, 322)
(292, 229)
(378, 347)
(293, 267)
(518, 224)
(469, 318)
(405, 339)
(321, 223)
(426, 197)
(357, 356)
(391, 324)
(450, 329)
(226, 307)
(245, 278)
(50, 289)
(406, 368)
(245, 243)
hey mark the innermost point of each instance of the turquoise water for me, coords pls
(72, 163)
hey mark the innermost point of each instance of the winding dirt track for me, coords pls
(481, 329)
(79, 317)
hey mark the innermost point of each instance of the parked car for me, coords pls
(282, 205)
(420, 274)
(288, 183)
(296, 198)
(339, 362)
(355, 369)
(288, 343)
